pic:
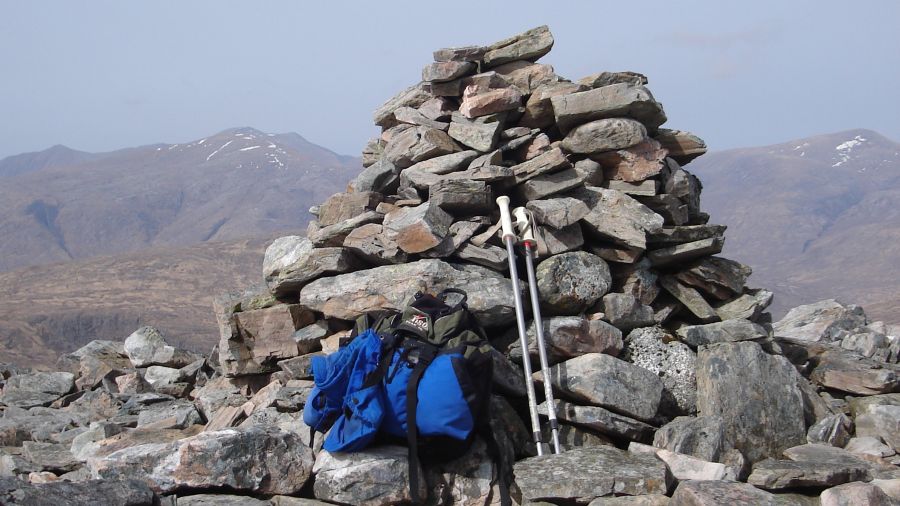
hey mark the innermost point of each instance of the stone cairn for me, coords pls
(672, 385)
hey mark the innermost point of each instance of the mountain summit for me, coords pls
(61, 204)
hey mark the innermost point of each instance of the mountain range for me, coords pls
(98, 244)
(816, 218)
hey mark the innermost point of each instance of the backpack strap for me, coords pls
(426, 354)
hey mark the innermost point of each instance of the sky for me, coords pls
(104, 75)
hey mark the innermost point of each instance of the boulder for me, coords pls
(558, 212)
(478, 101)
(608, 382)
(261, 460)
(691, 298)
(93, 361)
(442, 71)
(461, 196)
(583, 474)
(465, 53)
(334, 235)
(538, 109)
(292, 261)
(850, 494)
(343, 206)
(685, 252)
(551, 161)
(601, 79)
(481, 136)
(855, 374)
(625, 312)
(617, 217)
(381, 176)
(682, 146)
(549, 184)
(36, 389)
(375, 476)
(869, 446)
(569, 283)
(553, 241)
(597, 419)
(348, 296)
(749, 305)
(881, 421)
(719, 277)
(683, 467)
(416, 144)
(417, 229)
(825, 320)
(413, 96)
(832, 430)
(651, 348)
(756, 394)
(613, 101)
(372, 245)
(633, 164)
(262, 337)
(604, 135)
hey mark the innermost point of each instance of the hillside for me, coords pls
(60, 204)
(52, 309)
(816, 218)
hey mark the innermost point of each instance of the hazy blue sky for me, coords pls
(102, 75)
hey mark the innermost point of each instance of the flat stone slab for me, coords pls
(718, 493)
(584, 474)
(601, 420)
(772, 474)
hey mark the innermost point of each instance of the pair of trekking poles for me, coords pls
(524, 223)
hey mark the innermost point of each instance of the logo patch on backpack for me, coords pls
(420, 322)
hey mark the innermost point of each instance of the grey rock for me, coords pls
(442, 71)
(262, 460)
(526, 76)
(375, 476)
(372, 245)
(417, 229)
(682, 146)
(591, 171)
(292, 261)
(464, 53)
(220, 392)
(538, 110)
(632, 500)
(461, 196)
(882, 421)
(715, 493)
(569, 283)
(721, 332)
(413, 96)
(832, 430)
(412, 116)
(756, 394)
(617, 100)
(869, 446)
(347, 296)
(549, 184)
(36, 389)
(372, 152)
(825, 320)
(684, 234)
(178, 414)
(638, 280)
(670, 207)
(683, 467)
(507, 377)
(261, 338)
(334, 235)
(673, 362)
(558, 212)
(492, 257)
(35, 424)
(553, 241)
(749, 305)
(343, 206)
(685, 252)
(529, 45)
(608, 382)
(626, 312)
(478, 135)
(600, 420)
(495, 157)
(608, 78)
(468, 479)
(445, 164)
(545, 163)
(604, 135)
(866, 344)
(125, 492)
(849, 494)
(487, 173)
(704, 437)
(583, 474)
(618, 217)
(93, 361)
(855, 374)
(691, 298)
(308, 337)
(633, 164)
(52, 457)
(478, 101)
(719, 277)
(772, 474)
(146, 347)
(567, 337)
(416, 144)
(220, 500)
(647, 188)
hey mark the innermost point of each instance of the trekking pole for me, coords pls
(525, 222)
(509, 237)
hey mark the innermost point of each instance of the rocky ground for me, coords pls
(673, 385)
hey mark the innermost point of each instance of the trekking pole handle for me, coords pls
(525, 225)
(505, 219)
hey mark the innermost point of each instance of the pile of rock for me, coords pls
(672, 384)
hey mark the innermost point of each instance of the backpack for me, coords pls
(423, 374)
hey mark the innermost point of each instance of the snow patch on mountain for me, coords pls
(845, 148)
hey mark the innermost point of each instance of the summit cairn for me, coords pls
(671, 382)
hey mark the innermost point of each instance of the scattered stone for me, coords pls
(625, 312)
(704, 437)
(772, 474)
(36, 389)
(600, 420)
(683, 467)
(569, 283)
(855, 374)
(721, 332)
(567, 337)
(292, 261)
(855, 493)
(714, 493)
(826, 320)
(559, 212)
(583, 474)
(127, 492)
